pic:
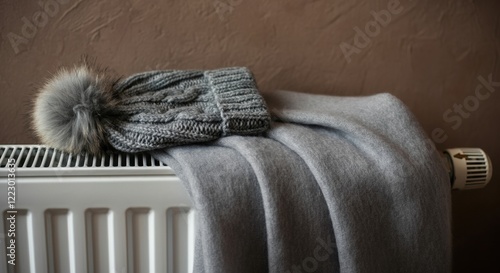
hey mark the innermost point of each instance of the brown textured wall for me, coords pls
(433, 55)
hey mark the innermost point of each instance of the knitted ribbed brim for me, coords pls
(242, 108)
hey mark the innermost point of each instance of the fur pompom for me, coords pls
(71, 110)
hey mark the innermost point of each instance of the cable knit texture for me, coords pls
(161, 109)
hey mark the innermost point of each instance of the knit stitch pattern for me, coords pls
(160, 109)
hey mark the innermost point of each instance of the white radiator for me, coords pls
(117, 214)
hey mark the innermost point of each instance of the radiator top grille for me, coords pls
(35, 158)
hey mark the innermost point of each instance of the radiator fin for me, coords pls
(178, 232)
(138, 243)
(56, 232)
(96, 231)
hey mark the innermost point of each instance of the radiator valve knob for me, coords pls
(470, 168)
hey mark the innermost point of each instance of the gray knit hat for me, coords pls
(83, 110)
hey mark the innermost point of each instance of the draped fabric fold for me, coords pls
(338, 184)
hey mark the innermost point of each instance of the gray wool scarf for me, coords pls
(338, 184)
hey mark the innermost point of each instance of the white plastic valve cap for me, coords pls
(471, 168)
